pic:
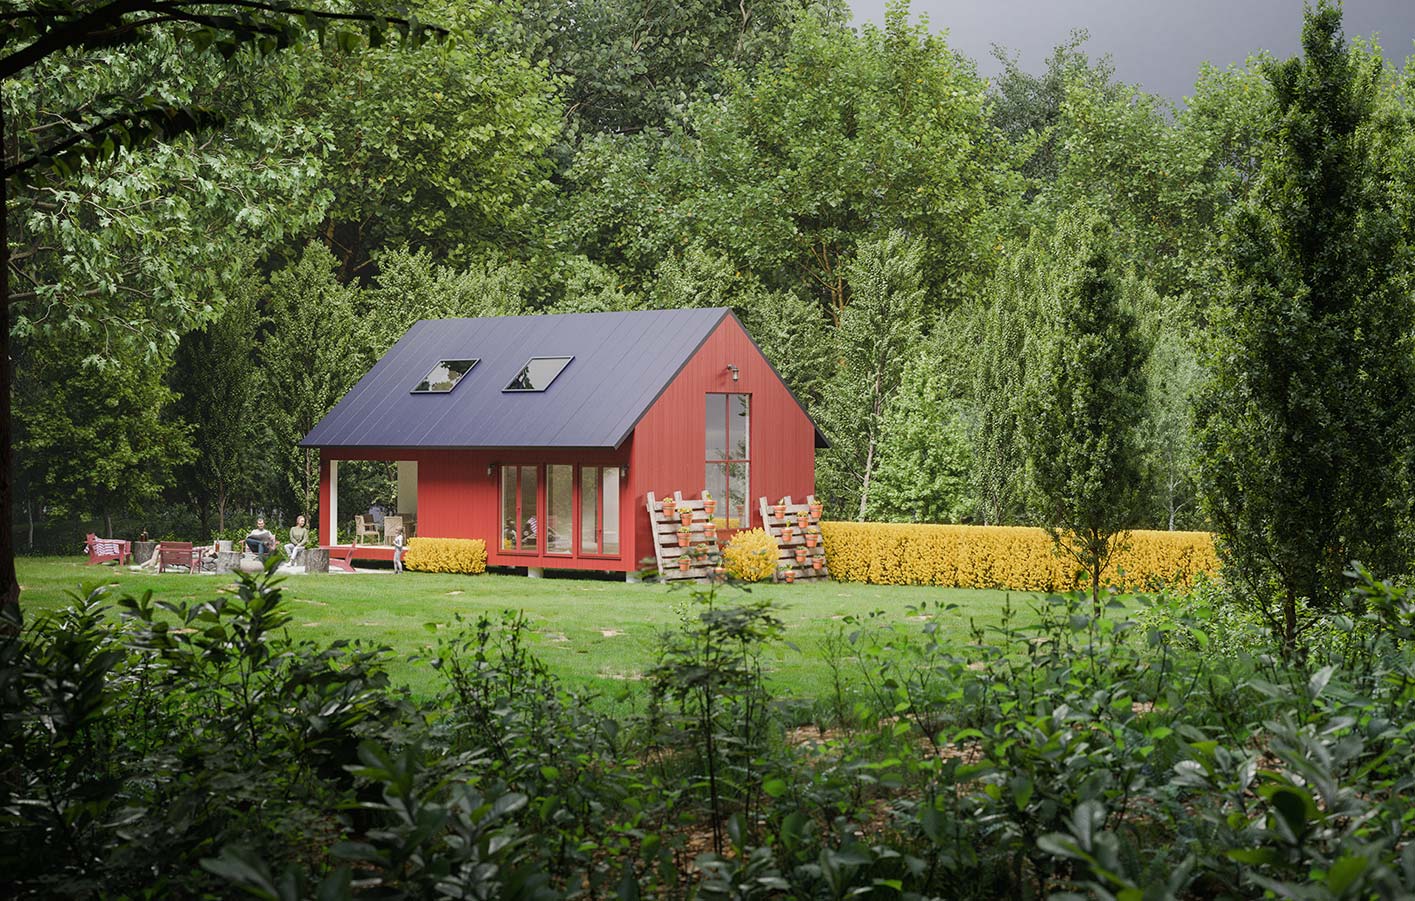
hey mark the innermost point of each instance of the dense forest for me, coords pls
(893, 229)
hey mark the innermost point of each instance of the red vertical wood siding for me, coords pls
(669, 453)
(458, 498)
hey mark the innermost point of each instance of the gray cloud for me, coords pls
(1158, 44)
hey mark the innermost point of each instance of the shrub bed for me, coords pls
(751, 556)
(1009, 557)
(446, 555)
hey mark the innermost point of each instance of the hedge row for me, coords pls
(1012, 557)
(446, 555)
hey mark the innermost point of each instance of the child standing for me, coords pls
(398, 551)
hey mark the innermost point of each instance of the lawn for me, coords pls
(595, 633)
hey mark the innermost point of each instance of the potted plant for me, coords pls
(670, 506)
(719, 570)
(790, 576)
(686, 514)
(684, 533)
(709, 504)
(779, 508)
(786, 533)
(700, 553)
(801, 555)
(817, 562)
(710, 530)
(803, 519)
(683, 563)
(815, 508)
(813, 535)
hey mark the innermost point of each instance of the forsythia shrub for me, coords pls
(1012, 557)
(446, 555)
(751, 556)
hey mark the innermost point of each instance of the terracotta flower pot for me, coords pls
(786, 533)
(790, 576)
(683, 564)
(686, 515)
(803, 519)
(683, 539)
(779, 510)
(709, 505)
(719, 570)
(815, 511)
(670, 506)
(710, 531)
(811, 540)
(817, 563)
(800, 555)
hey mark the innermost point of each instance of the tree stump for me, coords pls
(316, 559)
(226, 561)
(143, 551)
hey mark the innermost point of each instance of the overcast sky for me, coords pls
(1158, 44)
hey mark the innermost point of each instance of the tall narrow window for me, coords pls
(518, 509)
(559, 508)
(599, 510)
(728, 457)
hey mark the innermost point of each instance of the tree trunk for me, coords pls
(9, 582)
(865, 489)
(1289, 624)
(108, 524)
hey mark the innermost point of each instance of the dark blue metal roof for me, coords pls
(622, 362)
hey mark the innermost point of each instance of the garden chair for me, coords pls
(344, 562)
(391, 526)
(101, 550)
(177, 553)
(364, 527)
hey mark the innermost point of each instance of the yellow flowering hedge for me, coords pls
(446, 555)
(750, 556)
(1013, 557)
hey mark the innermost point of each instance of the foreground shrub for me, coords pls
(446, 555)
(751, 556)
(1009, 557)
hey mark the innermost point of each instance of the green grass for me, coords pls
(569, 617)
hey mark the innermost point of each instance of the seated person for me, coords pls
(298, 536)
(260, 541)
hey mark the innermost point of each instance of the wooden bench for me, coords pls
(101, 550)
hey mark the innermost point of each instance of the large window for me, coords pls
(728, 457)
(589, 529)
(518, 508)
(599, 510)
(560, 508)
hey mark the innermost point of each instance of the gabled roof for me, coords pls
(622, 363)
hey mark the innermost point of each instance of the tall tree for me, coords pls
(220, 395)
(35, 36)
(314, 352)
(1012, 327)
(877, 333)
(1081, 436)
(1305, 422)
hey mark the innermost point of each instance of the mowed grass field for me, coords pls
(591, 632)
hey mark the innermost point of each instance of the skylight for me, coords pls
(444, 376)
(538, 373)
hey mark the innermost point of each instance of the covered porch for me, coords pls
(370, 532)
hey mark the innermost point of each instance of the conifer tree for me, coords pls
(1087, 403)
(1305, 419)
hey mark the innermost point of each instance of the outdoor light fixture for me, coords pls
(624, 471)
(491, 468)
(734, 371)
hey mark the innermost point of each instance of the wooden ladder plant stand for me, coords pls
(665, 540)
(786, 556)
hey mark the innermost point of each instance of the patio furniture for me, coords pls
(364, 527)
(340, 558)
(391, 526)
(101, 550)
(179, 553)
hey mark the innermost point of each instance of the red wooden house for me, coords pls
(543, 435)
